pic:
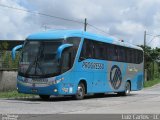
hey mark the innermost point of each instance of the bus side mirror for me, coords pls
(14, 51)
(60, 50)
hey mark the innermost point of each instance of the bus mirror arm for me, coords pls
(14, 51)
(83, 58)
(61, 49)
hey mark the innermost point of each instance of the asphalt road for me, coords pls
(141, 102)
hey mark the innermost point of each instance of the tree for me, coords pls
(151, 56)
(3, 46)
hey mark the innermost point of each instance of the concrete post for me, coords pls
(8, 80)
(145, 75)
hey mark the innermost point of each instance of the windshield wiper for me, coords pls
(31, 65)
(36, 61)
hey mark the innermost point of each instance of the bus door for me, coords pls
(85, 69)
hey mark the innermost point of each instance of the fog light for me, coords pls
(55, 90)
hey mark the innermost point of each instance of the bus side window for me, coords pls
(68, 57)
(121, 54)
(65, 62)
(136, 56)
(87, 50)
(140, 56)
(99, 50)
(129, 55)
(112, 52)
(133, 56)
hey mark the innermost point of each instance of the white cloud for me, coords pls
(132, 31)
(14, 24)
(124, 19)
(129, 27)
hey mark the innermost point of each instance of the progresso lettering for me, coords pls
(91, 65)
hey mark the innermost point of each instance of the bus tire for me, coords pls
(80, 91)
(127, 90)
(44, 97)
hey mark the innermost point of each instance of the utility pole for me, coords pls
(145, 72)
(145, 40)
(45, 27)
(85, 24)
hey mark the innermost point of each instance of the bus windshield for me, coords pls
(39, 58)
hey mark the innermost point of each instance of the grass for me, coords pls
(151, 83)
(13, 94)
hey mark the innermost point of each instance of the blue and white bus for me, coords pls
(77, 63)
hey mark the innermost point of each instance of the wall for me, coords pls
(8, 80)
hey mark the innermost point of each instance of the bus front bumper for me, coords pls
(38, 90)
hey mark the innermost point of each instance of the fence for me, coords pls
(6, 62)
(8, 71)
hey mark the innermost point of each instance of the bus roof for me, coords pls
(56, 34)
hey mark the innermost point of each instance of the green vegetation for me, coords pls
(6, 61)
(3, 46)
(13, 94)
(151, 83)
(152, 62)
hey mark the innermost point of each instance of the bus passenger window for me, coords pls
(99, 50)
(112, 53)
(121, 54)
(129, 58)
(140, 56)
(87, 50)
(67, 60)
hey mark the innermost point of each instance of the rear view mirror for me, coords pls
(61, 48)
(14, 51)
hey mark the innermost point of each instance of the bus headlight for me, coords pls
(59, 80)
(55, 90)
(56, 81)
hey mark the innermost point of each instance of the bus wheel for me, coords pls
(80, 92)
(127, 90)
(44, 97)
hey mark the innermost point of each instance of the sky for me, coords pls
(123, 19)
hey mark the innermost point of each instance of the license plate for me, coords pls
(40, 81)
(34, 90)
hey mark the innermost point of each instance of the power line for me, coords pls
(105, 32)
(151, 40)
(154, 36)
(98, 29)
(53, 16)
(38, 13)
(102, 31)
